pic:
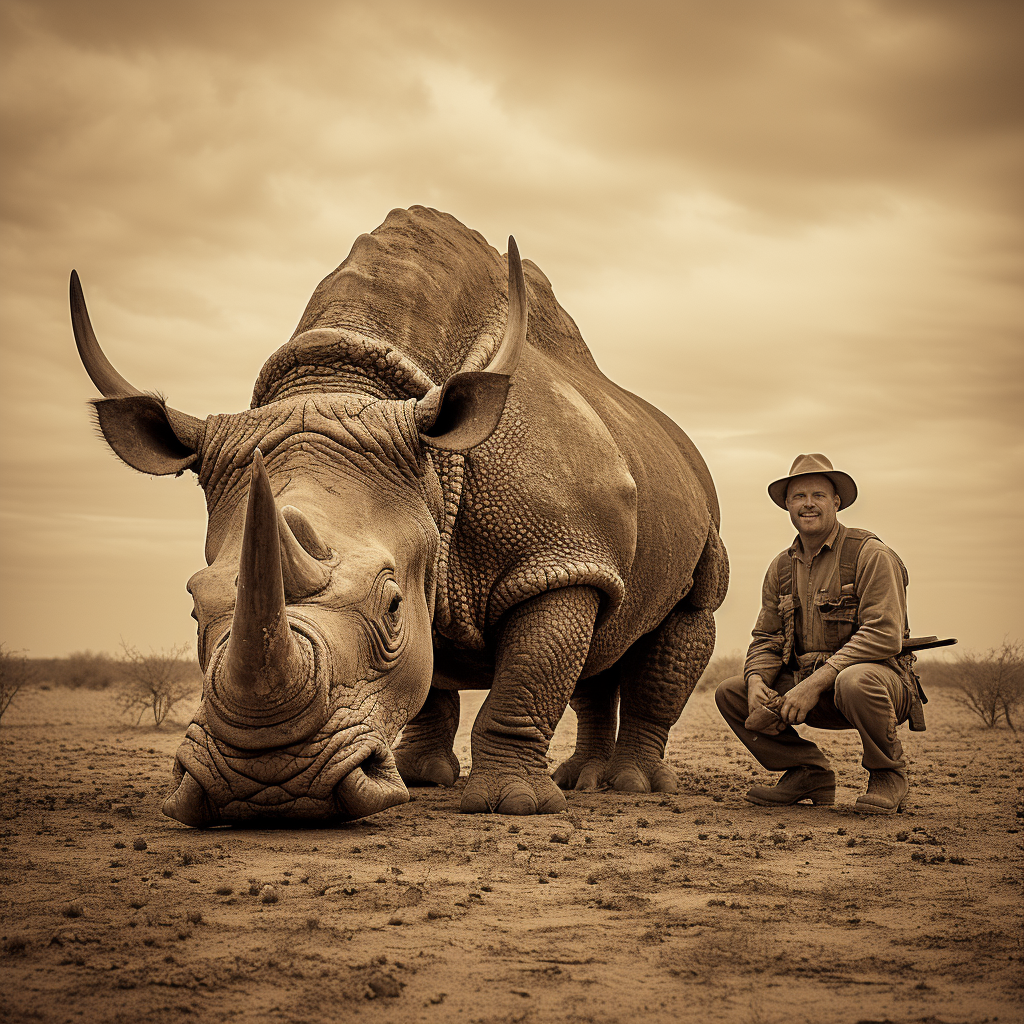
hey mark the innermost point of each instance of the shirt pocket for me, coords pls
(838, 615)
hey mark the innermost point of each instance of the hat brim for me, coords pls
(842, 482)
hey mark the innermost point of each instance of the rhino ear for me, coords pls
(464, 412)
(147, 435)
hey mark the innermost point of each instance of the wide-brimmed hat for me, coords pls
(805, 465)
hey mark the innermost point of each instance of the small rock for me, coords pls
(411, 897)
(140, 844)
(385, 985)
(268, 894)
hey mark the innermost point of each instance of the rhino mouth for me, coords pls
(217, 784)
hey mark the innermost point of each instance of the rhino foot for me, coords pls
(433, 769)
(580, 773)
(632, 778)
(493, 793)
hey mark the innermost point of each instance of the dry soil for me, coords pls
(693, 907)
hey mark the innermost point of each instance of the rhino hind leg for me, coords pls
(657, 676)
(425, 754)
(541, 651)
(596, 703)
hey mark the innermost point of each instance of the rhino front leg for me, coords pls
(424, 755)
(657, 676)
(595, 702)
(541, 651)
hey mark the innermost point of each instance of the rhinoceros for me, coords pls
(434, 489)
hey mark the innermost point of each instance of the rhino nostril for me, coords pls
(375, 768)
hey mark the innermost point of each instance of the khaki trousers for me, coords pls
(871, 697)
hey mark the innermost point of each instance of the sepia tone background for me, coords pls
(793, 226)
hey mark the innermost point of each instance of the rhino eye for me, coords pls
(391, 601)
(387, 627)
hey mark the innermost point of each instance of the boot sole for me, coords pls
(877, 809)
(826, 796)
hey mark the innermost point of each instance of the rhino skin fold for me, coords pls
(434, 489)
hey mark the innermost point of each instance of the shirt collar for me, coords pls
(796, 551)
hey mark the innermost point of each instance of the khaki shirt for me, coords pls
(881, 609)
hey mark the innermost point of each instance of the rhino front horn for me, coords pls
(265, 669)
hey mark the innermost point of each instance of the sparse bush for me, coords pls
(720, 667)
(83, 669)
(15, 671)
(992, 684)
(156, 681)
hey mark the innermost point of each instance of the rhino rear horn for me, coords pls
(302, 556)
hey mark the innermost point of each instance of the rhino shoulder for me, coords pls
(549, 502)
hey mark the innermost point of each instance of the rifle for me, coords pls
(766, 719)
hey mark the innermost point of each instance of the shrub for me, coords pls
(156, 681)
(83, 669)
(991, 685)
(15, 672)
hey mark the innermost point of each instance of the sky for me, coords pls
(794, 226)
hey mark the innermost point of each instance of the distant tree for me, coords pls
(156, 681)
(720, 667)
(992, 684)
(15, 671)
(85, 669)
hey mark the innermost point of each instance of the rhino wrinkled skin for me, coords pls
(434, 489)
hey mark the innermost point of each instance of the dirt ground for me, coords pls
(695, 907)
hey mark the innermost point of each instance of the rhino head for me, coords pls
(314, 611)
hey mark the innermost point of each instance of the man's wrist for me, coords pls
(824, 677)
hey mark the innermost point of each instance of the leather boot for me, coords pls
(803, 783)
(887, 793)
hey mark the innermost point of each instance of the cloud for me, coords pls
(792, 225)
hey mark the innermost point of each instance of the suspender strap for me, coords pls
(785, 574)
(849, 554)
(787, 605)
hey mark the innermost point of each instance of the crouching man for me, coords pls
(826, 650)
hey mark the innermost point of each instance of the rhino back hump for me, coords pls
(424, 288)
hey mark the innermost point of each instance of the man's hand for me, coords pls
(804, 696)
(758, 693)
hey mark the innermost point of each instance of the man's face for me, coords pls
(812, 503)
